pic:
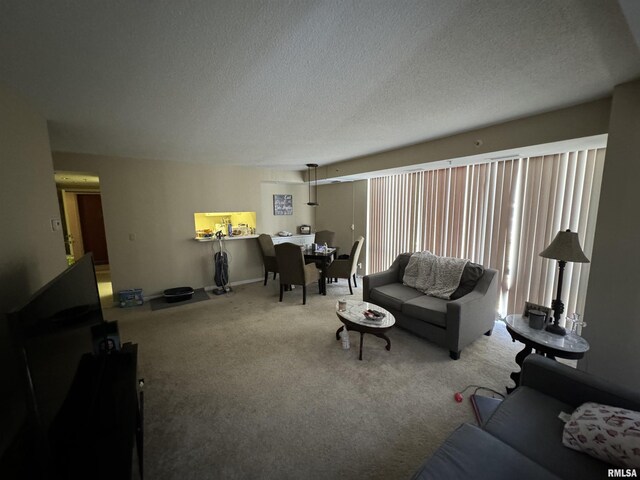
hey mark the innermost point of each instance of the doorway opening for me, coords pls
(80, 204)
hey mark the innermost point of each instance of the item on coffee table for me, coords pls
(373, 314)
(342, 305)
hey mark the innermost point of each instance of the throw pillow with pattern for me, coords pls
(608, 433)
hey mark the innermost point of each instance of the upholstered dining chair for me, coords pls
(347, 267)
(268, 256)
(326, 236)
(293, 270)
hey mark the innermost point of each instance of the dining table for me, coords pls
(323, 257)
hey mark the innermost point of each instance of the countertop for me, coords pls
(214, 239)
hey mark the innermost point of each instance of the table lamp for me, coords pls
(564, 248)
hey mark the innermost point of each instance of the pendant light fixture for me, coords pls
(313, 166)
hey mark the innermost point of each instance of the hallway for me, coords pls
(105, 289)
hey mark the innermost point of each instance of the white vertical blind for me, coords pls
(559, 192)
(392, 203)
(499, 214)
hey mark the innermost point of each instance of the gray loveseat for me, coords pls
(523, 437)
(453, 324)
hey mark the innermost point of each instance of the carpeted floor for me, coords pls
(245, 387)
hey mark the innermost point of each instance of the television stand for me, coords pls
(93, 435)
(140, 429)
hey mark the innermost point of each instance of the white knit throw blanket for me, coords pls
(434, 275)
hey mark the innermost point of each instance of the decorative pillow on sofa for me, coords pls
(608, 433)
(470, 276)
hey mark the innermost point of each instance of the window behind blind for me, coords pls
(500, 214)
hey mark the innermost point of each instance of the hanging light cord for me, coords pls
(315, 171)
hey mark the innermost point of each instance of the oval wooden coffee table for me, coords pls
(353, 319)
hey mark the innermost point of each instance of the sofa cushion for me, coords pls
(609, 433)
(393, 295)
(470, 276)
(471, 453)
(528, 421)
(428, 309)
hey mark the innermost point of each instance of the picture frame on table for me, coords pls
(106, 338)
(534, 306)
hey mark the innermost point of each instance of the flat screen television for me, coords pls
(52, 331)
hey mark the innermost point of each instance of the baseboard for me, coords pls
(208, 288)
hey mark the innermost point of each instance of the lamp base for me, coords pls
(556, 329)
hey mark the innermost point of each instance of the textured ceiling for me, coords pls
(285, 83)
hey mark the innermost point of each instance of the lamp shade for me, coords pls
(565, 247)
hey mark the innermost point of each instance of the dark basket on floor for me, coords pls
(178, 294)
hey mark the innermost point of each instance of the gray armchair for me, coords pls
(268, 256)
(293, 270)
(347, 268)
(453, 324)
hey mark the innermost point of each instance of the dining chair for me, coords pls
(268, 256)
(293, 270)
(326, 236)
(347, 267)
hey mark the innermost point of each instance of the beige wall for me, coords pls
(31, 253)
(579, 121)
(342, 205)
(148, 212)
(612, 311)
(302, 213)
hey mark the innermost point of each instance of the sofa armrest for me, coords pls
(369, 282)
(470, 316)
(573, 386)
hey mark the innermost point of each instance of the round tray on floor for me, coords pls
(178, 294)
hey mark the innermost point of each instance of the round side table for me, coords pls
(570, 346)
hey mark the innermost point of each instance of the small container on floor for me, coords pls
(178, 294)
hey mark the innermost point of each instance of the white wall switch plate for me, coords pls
(56, 225)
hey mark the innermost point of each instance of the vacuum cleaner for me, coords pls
(221, 263)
